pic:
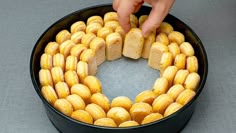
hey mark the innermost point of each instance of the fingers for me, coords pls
(116, 4)
(160, 9)
(124, 9)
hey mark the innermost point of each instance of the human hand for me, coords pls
(160, 9)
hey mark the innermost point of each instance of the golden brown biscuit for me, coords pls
(122, 101)
(180, 61)
(133, 44)
(101, 100)
(162, 38)
(45, 77)
(62, 36)
(186, 48)
(107, 122)
(63, 106)
(52, 48)
(174, 49)
(147, 45)
(71, 78)
(81, 90)
(169, 73)
(49, 94)
(104, 31)
(192, 81)
(156, 52)
(59, 61)
(133, 21)
(82, 115)
(71, 63)
(180, 77)
(95, 111)
(161, 103)
(95, 19)
(112, 24)
(77, 49)
(152, 117)
(98, 45)
(93, 28)
(46, 61)
(121, 31)
(129, 124)
(166, 60)
(77, 26)
(146, 96)
(88, 56)
(192, 64)
(87, 38)
(165, 28)
(57, 74)
(185, 96)
(176, 37)
(113, 46)
(172, 108)
(110, 16)
(93, 84)
(160, 86)
(77, 37)
(82, 70)
(175, 90)
(65, 47)
(119, 115)
(141, 20)
(140, 110)
(76, 101)
(62, 90)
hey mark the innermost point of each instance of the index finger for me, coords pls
(124, 9)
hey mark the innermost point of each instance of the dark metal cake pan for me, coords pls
(171, 124)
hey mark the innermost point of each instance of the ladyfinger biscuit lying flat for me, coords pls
(82, 115)
(46, 61)
(95, 19)
(52, 48)
(77, 26)
(82, 70)
(49, 94)
(176, 37)
(77, 37)
(45, 77)
(63, 106)
(110, 16)
(59, 61)
(62, 90)
(165, 28)
(62, 36)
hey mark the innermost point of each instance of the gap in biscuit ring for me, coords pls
(126, 77)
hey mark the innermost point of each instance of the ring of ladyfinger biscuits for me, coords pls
(69, 66)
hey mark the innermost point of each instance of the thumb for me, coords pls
(159, 11)
(125, 9)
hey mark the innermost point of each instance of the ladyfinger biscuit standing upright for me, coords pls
(113, 46)
(133, 44)
(98, 45)
(89, 56)
(155, 54)
(147, 45)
